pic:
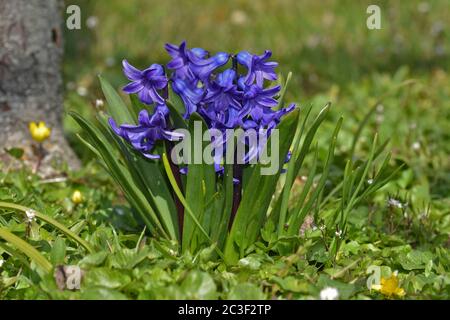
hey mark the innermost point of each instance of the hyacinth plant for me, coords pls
(231, 208)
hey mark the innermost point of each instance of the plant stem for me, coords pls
(178, 204)
(40, 151)
(234, 63)
(237, 191)
(237, 169)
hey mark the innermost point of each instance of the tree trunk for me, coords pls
(30, 79)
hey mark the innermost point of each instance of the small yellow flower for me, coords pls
(77, 197)
(39, 132)
(389, 287)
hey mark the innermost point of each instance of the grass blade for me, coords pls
(49, 220)
(27, 249)
(298, 218)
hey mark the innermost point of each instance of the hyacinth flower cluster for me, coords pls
(228, 91)
(228, 207)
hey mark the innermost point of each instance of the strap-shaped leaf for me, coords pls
(257, 195)
(115, 105)
(300, 212)
(200, 187)
(27, 249)
(147, 176)
(219, 230)
(121, 175)
(291, 173)
(184, 202)
(136, 106)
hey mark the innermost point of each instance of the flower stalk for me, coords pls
(237, 169)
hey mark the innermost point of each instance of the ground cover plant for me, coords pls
(362, 199)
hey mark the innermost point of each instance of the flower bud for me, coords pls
(77, 197)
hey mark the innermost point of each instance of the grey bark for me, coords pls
(31, 88)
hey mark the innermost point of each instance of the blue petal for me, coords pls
(131, 72)
(133, 87)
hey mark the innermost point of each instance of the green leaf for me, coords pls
(184, 202)
(219, 227)
(246, 291)
(176, 102)
(310, 136)
(115, 105)
(27, 249)
(49, 220)
(94, 259)
(121, 175)
(176, 116)
(257, 195)
(290, 175)
(102, 294)
(58, 252)
(346, 290)
(363, 178)
(250, 263)
(199, 285)
(107, 278)
(293, 284)
(283, 91)
(136, 107)
(127, 258)
(147, 176)
(279, 212)
(300, 213)
(15, 152)
(200, 187)
(415, 259)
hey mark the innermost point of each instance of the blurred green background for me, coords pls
(322, 42)
(326, 44)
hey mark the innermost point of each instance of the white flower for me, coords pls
(82, 91)
(2, 262)
(329, 293)
(91, 22)
(30, 215)
(416, 145)
(99, 103)
(370, 181)
(395, 203)
(338, 233)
